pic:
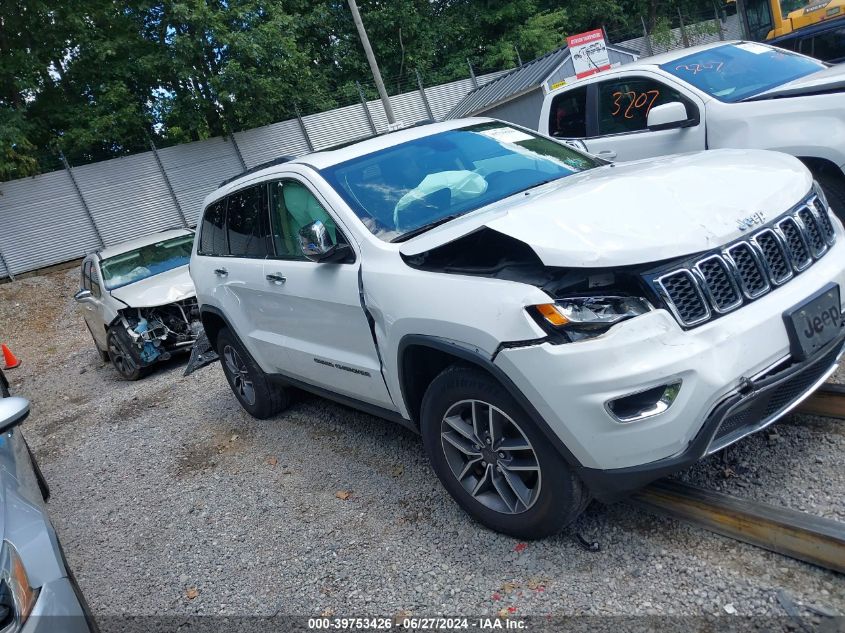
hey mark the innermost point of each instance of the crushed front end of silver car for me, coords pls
(158, 332)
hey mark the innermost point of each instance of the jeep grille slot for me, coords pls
(813, 231)
(824, 220)
(685, 297)
(752, 275)
(796, 245)
(747, 269)
(774, 256)
(719, 284)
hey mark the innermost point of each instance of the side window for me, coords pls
(624, 104)
(794, 44)
(90, 281)
(247, 224)
(212, 236)
(829, 46)
(293, 206)
(568, 114)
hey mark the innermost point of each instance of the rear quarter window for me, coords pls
(212, 233)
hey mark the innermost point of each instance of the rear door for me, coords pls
(621, 110)
(317, 328)
(243, 286)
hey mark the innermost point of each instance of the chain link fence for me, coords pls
(675, 31)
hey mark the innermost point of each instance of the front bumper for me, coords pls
(569, 384)
(760, 402)
(59, 608)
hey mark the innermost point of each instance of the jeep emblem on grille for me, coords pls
(746, 223)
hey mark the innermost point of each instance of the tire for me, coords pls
(251, 386)
(833, 185)
(4, 386)
(124, 357)
(551, 495)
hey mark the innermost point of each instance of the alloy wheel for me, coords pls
(490, 456)
(237, 369)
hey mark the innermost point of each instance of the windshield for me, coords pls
(737, 71)
(399, 191)
(146, 261)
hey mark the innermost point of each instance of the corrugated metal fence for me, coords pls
(62, 215)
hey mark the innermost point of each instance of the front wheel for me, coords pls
(251, 386)
(493, 460)
(123, 356)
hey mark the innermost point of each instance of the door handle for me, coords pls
(607, 153)
(221, 272)
(276, 278)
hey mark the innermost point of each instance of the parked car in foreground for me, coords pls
(138, 301)
(38, 593)
(723, 95)
(554, 326)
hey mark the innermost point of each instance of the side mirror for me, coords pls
(668, 116)
(13, 411)
(316, 243)
(83, 295)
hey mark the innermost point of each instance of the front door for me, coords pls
(623, 104)
(318, 318)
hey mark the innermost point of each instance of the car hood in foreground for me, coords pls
(158, 290)
(639, 212)
(828, 80)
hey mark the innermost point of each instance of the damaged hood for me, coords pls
(639, 212)
(158, 290)
(828, 80)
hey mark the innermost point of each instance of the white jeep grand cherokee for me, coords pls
(556, 328)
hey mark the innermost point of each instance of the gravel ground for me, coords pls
(170, 500)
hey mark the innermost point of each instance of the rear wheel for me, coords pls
(123, 355)
(251, 386)
(493, 459)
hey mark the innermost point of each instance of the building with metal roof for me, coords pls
(517, 96)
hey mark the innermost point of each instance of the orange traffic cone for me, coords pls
(10, 359)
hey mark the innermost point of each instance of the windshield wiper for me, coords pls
(425, 227)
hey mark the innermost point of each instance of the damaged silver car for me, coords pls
(138, 301)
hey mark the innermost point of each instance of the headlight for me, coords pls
(17, 597)
(586, 317)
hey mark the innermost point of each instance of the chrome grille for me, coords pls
(748, 269)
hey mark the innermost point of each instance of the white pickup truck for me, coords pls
(741, 95)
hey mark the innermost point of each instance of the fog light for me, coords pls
(644, 404)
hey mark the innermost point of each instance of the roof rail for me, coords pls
(270, 163)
